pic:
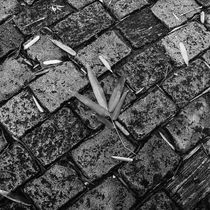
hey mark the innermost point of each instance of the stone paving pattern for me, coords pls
(57, 155)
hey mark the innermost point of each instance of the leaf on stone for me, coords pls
(184, 53)
(52, 62)
(117, 110)
(97, 89)
(105, 62)
(122, 158)
(31, 42)
(202, 17)
(14, 197)
(116, 94)
(92, 105)
(37, 104)
(63, 47)
(106, 122)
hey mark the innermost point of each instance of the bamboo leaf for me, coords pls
(122, 158)
(117, 110)
(31, 42)
(184, 53)
(14, 197)
(64, 47)
(202, 17)
(116, 94)
(97, 89)
(105, 62)
(51, 62)
(92, 105)
(105, 121)
(37, 104)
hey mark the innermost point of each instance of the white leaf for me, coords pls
(50, 62)
(105, 62)
(184, 53)
(202, 17)
(37, 104)
(31, 42)
(122, 158)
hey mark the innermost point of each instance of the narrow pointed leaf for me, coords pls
(31, 42)
(14, 197)
(184, 53)
(51, 62)
(105, 121)
(122, 129)
(63, 47)
(122, 158)
(202, 17)
(117, 110)
(116, 94)
(97, 89)
(38, 105)
(105, 62)
(92, 105)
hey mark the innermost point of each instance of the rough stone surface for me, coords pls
(147, 113)
(187, 82)
(142, 28)
(111, 194)
(191, 184)
(20, 114)
(14, 74)
(205, 3)
(206, 56)
(40, 14)
(16, 167)
(146, 68)
(79, 4)
(150, 165)
(121, 8)
(94, 155)
(53, 189)
(110, 46)
(3, 141)
(83, 25)
(44, 50)
(159, 201)
(16, 206)
(10, 38)
(58, 85)
(55, 136)
(7, 8)
(87, 114)
(195, 38)
(171, 11)
(29, 2)
(192, 124)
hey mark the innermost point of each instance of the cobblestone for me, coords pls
(205, 3)
(14, 74)
(58, 85)
(110, 46)
(195, 38)
(184, 86)
(108, 84)
(142, 28)
(124, 7)
(20, 114)
(3, 141)
(172, 12)
(191, 125)
(137, 69)
(94, 155)
(10, 40)
(16, 167)
(159, 201)
(83, 25)
(147, 113)
(7, 8)
(111, 194)
(183, 188)
(150, 165)
(55, 136)
(40, 14)
(53, 189)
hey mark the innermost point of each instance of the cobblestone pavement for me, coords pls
(58, 156)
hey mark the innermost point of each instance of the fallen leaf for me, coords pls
(92, 105)
(64, 47)
(117, 110)
(14, 197)
(50, 62)
(97, 89)
(105, 62)
(184, 53)
(116, 94)
(105, 121)
(122, 158)
(38, 105)
(31, 42)
(202, 17)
